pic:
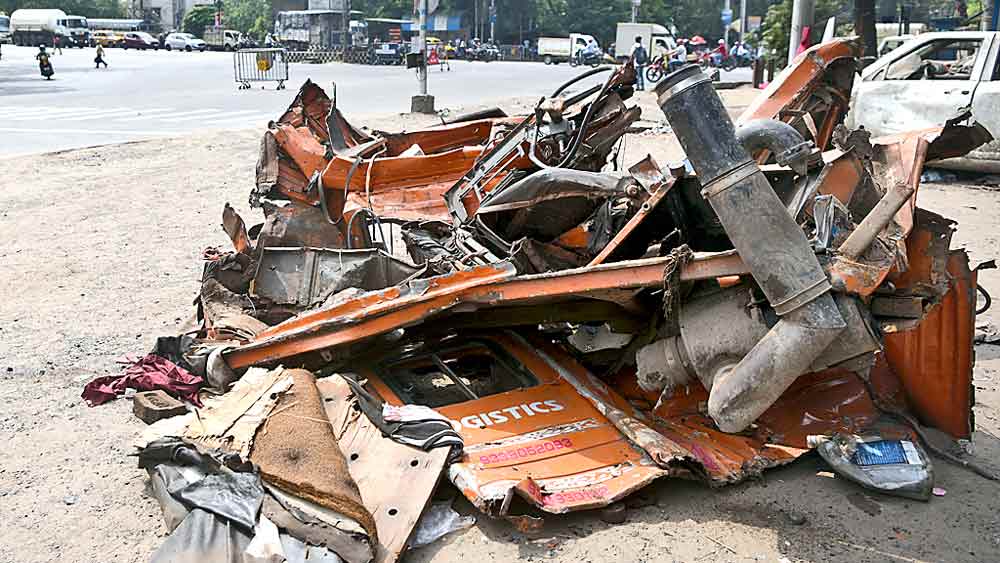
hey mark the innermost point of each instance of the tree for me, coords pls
(85, 8)
(252, 17)
(197, 19)
(596, 17)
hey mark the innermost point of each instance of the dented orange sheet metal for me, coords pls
(546, 443)
(574, 441)
(813, 93)
(934, 359)
(399, 176)
(558, 445)
(897, 163)
(495, 285)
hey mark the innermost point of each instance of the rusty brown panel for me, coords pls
(233, 224)
(296, 225)
(934, 361)
(309, 109)
(291, 182)
(302, 147)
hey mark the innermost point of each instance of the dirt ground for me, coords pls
(99, 254)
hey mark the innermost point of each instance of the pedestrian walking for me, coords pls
(99, 59)
(57, 45)
(640, 57)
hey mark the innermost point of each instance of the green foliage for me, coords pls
(596, 17)
(252, 17)
(85, 8)
(197, 19)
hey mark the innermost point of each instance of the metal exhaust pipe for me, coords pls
(771, 244)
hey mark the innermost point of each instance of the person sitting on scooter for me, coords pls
(679, 56)
(44, 64)
(591, 50)
(720, 53)
(741, 54)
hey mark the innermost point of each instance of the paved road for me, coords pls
(143, 95)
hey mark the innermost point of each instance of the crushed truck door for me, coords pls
(527, 430)
(921, 84)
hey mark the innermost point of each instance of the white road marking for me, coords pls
(91, 131)
(100, 114)
(42, 113)
(256, 121)
(250, 115)
(142, 113)
(219, 117)
(186, 115)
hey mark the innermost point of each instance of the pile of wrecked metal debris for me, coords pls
(495, 301)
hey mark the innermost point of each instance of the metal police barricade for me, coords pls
(260, 65)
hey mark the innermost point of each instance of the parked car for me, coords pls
(140, 40)
(107, 38)
(5, 36)
(184, 42)
(933, 78)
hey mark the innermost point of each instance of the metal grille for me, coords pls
(260, 65)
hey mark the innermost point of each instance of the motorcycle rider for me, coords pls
(679, 56)
(741, 54)
(720, 53)
(591, 50)
(44, 65)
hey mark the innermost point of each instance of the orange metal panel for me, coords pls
(934, 361)
(841, 176)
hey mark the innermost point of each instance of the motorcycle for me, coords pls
(592, 59)
(707, 61)
(660, 67)
(45, 67)
(744, 60)
(485, 52)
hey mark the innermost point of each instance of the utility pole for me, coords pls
(727, 18)
(422, 102)
(635, 10)
(803, 12)
(493, 18)
(864, 27)
(743, 19)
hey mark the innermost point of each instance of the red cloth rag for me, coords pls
(149, 373)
